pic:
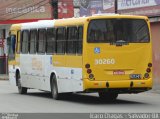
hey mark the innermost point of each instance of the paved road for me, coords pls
(39, 102)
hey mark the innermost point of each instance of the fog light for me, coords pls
(146, 75)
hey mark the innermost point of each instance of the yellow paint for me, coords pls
(70, 22)
(36, 64)
(67, 61)
(132, 58)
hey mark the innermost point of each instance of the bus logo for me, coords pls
(97, 50)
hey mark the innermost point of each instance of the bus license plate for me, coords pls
(135, 76)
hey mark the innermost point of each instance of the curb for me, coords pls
(4, 77)
(155, 91)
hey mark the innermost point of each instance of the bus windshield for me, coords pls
(118, 30)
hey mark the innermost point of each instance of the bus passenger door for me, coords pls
(13, 55)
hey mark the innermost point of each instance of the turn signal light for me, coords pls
(149, 64)
(87, 66)
(89, 71)
(148, 70)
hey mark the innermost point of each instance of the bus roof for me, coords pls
(82, 20)
(38, 24)
(70, 21)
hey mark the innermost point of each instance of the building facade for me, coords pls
(150, 8)
(21, 11)
(90, 7)
(13, 11)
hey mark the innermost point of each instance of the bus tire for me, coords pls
(21, 90)
(106, 96)
(54, 88)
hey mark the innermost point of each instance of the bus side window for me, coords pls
(72, 39)
(80, 40)
(51, 41)
(11, 42)
(33, 40)
(25, 42)
(42, 41)
(61, 41)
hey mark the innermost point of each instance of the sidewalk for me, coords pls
(155, 89)
(4, 77)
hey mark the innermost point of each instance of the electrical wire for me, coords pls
(48, 2)
(3, 9)
(25, 13)
(9, 5)
(10, 13)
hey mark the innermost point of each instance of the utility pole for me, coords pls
(116, 6)
(54, 4)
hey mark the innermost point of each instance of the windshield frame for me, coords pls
(106, 41)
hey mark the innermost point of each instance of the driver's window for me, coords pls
(11, 43)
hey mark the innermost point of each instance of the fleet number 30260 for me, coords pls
(104, 61)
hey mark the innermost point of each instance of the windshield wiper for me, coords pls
(119, 43)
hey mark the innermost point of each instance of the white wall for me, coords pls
(6, 27)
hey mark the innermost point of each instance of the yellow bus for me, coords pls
(107, 54)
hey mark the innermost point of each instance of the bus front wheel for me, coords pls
(106, 96)
(54, 88)
(21, 90)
